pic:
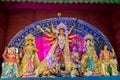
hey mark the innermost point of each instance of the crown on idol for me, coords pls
(29, 37)
(88, 36)
(62, 25)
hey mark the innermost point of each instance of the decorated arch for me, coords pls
(80, 27)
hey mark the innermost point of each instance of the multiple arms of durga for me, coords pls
(52, 33)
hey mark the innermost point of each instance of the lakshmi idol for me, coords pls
(30, 60)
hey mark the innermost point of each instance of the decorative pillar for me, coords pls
(3, 25)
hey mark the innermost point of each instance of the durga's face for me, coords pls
(61, 31)
(88, 42)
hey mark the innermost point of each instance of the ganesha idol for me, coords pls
(11, 62)
(108, 62)
(56, 48)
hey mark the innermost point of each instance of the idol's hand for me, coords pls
(113, 52)
(72, 27)
(21, 55)
(52, 27)
(52, 24)
(69, 32)
(5, 50)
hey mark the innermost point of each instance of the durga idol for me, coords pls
(59, 40)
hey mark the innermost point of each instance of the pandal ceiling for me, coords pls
(65, 1)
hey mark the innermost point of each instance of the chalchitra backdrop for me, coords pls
(62, 47)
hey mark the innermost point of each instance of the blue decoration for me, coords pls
(80, 27)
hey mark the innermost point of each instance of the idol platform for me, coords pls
(65, 78)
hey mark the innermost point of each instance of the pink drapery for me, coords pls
(43, 48)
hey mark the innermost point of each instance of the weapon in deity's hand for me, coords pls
(40, 28)
(69, 32)
(48, 30)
